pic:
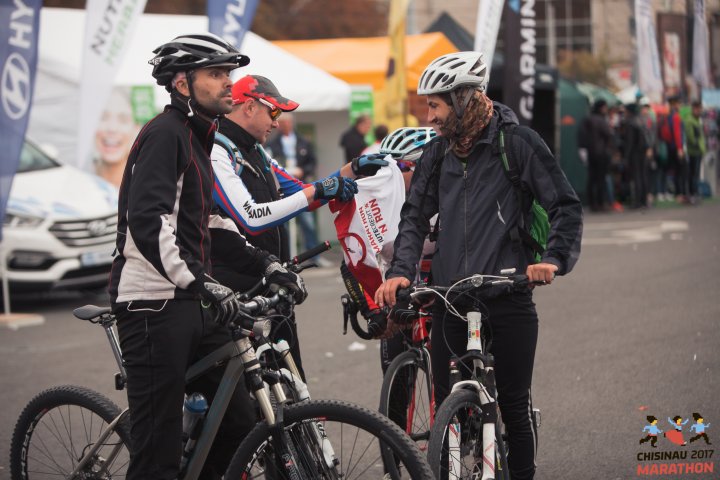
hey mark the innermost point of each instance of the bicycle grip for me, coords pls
(308, 254)
(377, 323)
(403, 295)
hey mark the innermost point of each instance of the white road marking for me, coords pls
(628, 233)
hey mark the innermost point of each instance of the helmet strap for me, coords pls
(193, 105)
(460, 101)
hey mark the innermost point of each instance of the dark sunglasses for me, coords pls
(275, 112)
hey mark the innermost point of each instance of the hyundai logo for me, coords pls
(97, 228)
(15, 86)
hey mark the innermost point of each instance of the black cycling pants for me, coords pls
(159, 341)
(513, 325)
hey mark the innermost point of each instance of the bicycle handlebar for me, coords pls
(294, 265)
(474, 282)
(307, 255)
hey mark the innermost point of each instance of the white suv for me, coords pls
(60, 226)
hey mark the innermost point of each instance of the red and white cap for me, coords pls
(255, 86)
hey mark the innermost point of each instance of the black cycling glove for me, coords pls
(220, 299)
(276, 274)
(368, 165)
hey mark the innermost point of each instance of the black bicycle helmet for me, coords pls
(193, 51)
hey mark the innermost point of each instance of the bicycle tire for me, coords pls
(409, 378)
(465, 405)
(57, 427)
(343, 423)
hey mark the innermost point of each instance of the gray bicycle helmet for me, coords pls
(193, 51)
(407, 143)
(454, 70)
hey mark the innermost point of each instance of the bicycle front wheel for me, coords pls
(406, 395)
(456, 442)
(327, 439)
(56, 430)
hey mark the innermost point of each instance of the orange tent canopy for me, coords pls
(364, 60)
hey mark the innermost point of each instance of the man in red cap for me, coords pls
(256, 192)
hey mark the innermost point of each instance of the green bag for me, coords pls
(535, 237)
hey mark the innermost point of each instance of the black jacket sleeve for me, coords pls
(542, 174)
(421, 204)
(227, 244)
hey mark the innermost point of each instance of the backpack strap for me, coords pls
(519, 234)
(238, 162)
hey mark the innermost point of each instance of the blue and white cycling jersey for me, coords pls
(232, 196)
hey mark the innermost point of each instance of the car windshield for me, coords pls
(32, 158)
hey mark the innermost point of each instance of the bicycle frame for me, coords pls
(240, 357)
(484, 369)
(421, 345)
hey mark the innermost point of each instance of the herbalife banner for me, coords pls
(486, 30)
(519, 74)
(109, 26)
(230, 19)
(19, 24)
(649, 74)
(701, 58)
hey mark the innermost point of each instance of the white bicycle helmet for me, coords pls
(454, 70)
(189, 52)
(407, 143)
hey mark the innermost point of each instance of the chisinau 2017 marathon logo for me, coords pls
(373, 223)
(675, 447)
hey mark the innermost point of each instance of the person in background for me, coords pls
(353, 140)
(616, 172)
(594, 141)
(672, 133)
(635, 156)
(696, 148)
(114, 137)
(379, 132)
(296, 155)
(649, 126)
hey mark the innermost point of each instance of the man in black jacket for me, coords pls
(462, 177)
(258, 194)
(160, 274)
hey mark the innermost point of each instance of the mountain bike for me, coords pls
(467, 439)
(72, 432)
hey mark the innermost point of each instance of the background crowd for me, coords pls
(638, 155)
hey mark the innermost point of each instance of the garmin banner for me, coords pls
(109, 26)
(230, 19)
(486, 29)
(19, 24)
(519, 70)
(649, 73)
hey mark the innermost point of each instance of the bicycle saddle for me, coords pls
(88, 312)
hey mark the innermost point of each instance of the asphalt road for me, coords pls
(633, 331)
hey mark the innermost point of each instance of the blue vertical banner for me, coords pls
(230, 19)
(19, 24)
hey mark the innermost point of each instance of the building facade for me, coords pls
(605, 28)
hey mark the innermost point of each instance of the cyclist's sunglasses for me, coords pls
(275, 112)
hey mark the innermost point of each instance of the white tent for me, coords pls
(324, 99)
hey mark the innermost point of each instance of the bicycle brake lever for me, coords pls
(345, 300)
